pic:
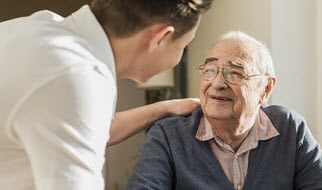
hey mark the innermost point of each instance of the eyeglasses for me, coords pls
(232, 75)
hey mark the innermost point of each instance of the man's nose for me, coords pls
(219, 81)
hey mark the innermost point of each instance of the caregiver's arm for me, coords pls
(130, 122)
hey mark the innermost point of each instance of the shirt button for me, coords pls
(236, 157)
(239, 188)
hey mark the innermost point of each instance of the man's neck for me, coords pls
(232, 132)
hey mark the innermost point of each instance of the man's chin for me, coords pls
(217, 115)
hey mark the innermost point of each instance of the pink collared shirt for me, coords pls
(235, 164)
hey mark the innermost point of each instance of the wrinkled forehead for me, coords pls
(239, 52)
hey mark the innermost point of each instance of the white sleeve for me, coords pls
(64, 128)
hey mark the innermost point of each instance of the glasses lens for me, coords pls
(234, 75)
(209, 72)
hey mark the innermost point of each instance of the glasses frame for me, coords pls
(222, 70)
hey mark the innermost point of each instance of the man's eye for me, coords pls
(236, 75)
(210, 70)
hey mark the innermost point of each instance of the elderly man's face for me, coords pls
(222, 100)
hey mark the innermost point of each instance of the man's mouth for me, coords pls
(221, 98)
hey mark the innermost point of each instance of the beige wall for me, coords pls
(319, 53)
(294, 50)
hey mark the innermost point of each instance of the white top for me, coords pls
(57, 99)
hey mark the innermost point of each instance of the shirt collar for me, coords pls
(263, 129)
(90, 29)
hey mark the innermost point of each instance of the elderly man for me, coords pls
(233, 141)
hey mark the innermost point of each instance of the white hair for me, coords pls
(260, 54)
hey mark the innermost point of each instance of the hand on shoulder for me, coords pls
(181, 106)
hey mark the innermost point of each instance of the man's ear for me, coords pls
(268, 89)
(159, 36)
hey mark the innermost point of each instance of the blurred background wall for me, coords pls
(291, 29)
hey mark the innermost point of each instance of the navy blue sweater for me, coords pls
(172, 158)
